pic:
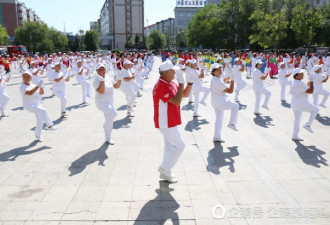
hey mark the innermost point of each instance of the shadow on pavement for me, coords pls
(324, 120)
(122, 123)
(286, 105)
(48, 97)
(18, 109)
(78, 106)
(217, 158)
(187, 107)
(16, 152)
(311, 155)
(263, 121)
(80, 164)
(241, 106)
(161, 209)
(195, 124)
(122, 108)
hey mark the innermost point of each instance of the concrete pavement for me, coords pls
(259, 176)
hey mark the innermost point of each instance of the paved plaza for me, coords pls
(258, 176)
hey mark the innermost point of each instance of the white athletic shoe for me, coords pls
(166, 175)
(129, 114)
(51, 128)
(257, 113)
(265, 107)
(5, 115)
(218, 140)
(322, 105)
(196, 115)
(203, 103)
(39, 139)
(232, 126)
(297, 139)
(308, 128)
(110, 142)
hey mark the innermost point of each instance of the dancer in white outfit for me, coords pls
(300, 104)
(128, 86)
(31, 102)
(258, 77)
(219, 91)
(81, 76)
(283, 75)
(104, 86)
(4, 98)
(319, 79)
(237, 76)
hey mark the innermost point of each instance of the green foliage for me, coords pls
(181, 39)
(92, 40)
(38, 37)
(116, 50)
(157, 40)
(3, 36)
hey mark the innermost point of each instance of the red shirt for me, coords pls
(166, 114)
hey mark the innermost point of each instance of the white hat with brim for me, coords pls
(193, 61)
(127, 62)
(167, 66)
(27, 72)
(215, 66)
(259, 62)
(101, 65)
(180, 59)
(188, 61)
(236, 60)
(316, 67)
(281, 64)
(296, 71)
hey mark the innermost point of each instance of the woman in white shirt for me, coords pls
(104, 99)
(300, 104)
(58, 79)
(237, 76)
(319, 79)
(128, 85)
(283, 75)
(258, 78)
(81, 76)
(220, 103)
(31, 102)
(4, 98)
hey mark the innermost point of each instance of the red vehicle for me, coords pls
(16, 50)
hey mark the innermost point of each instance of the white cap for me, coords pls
(281, 64)
(316, 67)
(193, 61)
(236, 60)
(259, 62)
(135, 60)
(219, 58)
(100, 65)
(180, 59)
(32, 62)
(27, 72)
(127, 62)
(188, 61)
(167, 66)
(57, 63)
(215, 66)
(296, 71)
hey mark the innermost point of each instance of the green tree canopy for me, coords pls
(3, 36)
(181, 39)
(92, 40)
(157, 40)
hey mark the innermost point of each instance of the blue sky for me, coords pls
(78, 13)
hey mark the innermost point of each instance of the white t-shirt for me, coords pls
(107, 96)
(318, 78)
(282, 75)
(236, 73)
(217, 90)
(298, 92)
(257, 82)
(58, 86)
(126, 74)
(29, 100)
(194, 77)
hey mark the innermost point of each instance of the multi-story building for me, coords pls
(14, 13)
(121, 20)
(186, 9)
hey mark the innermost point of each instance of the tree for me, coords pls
(323, 31)
(92, 40)
(157, 40)
(181, 39)
(3, 36)
(137, 42)
(270, 26)
(305, 21)
(129, 43)
(60, 41)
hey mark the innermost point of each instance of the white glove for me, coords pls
(100, 78)
(179, 77)
(40, 83)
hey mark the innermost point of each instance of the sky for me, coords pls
(76, 14)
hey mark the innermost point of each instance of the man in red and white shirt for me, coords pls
(167, 96)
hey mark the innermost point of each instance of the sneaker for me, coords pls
(297, 139)
(196, 115)
(257, 113)
(190, 102)
(39, 139)
(203, 103)
(110, 142)
(5, 115)
(85, 103)
(232, 126)
(322, 105)
(166, 175)
(283, 100)
(218, 140)
(129, 114)
(265, 107)
(51, 128)
(236, 100)
(130, 109)
(64, 115)
(308, 128)
(139, 95)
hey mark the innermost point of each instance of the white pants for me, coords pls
(258, 92)
(316, 94)
(240, 84)
(130, 96)
(62, 96)
(219, 114)
(174, 145)
(42, 117)
(140, 81)
(298, 109)
(283, 87)
(197, 92)
(4, 99)
(109, 114)
(86, 90)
